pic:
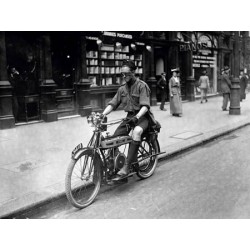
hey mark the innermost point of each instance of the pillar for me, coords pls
(48, 86)
(189, 70)
(7, 119)
(151, 81)
(83, 84)
(234, 108)
(215, 73)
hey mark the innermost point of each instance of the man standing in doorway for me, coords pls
(162, 84)
(243, 85)
(225, 87)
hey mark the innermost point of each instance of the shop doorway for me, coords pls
(160, 67)
(64, 61)
(22, 51)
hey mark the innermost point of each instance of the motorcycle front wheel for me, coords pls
(83, 179)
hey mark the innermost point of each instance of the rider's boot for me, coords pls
(132, 157)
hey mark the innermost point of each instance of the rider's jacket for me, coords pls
(132, 98)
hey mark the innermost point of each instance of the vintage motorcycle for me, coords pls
(103, 157)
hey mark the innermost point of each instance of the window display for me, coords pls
(104, 63)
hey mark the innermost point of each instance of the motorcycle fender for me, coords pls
(79, 149)
(75, 153)
(154, 137)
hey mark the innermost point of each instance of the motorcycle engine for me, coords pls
(119, 161)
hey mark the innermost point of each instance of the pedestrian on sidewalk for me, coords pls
(243, 85)
(204, 85)
(15, 80)
(225, 87)
(175, 93)
(162, 84)
(134, 96)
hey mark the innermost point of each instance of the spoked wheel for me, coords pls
(148, 165)
(83, 179)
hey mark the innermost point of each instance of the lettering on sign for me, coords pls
(120, 35)
(193, 46)
(92, 38)
(124, 35)
(139, 43)
(106, 33)
(204, 61)
(196, 65)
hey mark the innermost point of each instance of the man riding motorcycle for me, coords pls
(134, 96)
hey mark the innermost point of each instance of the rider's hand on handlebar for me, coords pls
(102, 116)
(133, 121)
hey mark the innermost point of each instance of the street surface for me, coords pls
(211, 181)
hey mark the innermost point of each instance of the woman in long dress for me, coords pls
(175, 94)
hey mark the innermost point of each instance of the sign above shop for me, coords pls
(200, 44)
(92, 38)
(204, 61)
(193, 46)
(115, 34)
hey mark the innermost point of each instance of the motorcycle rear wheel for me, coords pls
(147, 167)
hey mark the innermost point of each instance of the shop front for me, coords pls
(64, 53)
(22, 53)
(205, 58)
(104, 56)
(58, 74)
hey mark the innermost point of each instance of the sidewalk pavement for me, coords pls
(34, 157)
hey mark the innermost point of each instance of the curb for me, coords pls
(173, 151)
(196, 143)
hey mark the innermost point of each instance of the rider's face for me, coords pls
(126, 73)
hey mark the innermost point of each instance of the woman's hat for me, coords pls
(175, 70)
(226, 68)
(163, 73)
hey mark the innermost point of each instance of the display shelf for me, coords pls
(105, 64)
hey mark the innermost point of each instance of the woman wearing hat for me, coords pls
(204, 85)
(225, 87)
(174, 92)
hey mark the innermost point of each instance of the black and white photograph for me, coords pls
(134, 124)
(125, 123)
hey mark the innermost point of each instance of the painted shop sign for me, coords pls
(202, 44)
(204, 61)
(92, 38)
(140, 43)
(120, 35)
(193, 46)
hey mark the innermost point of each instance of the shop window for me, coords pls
(63, 46)
(22, 58)
(104, 62)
